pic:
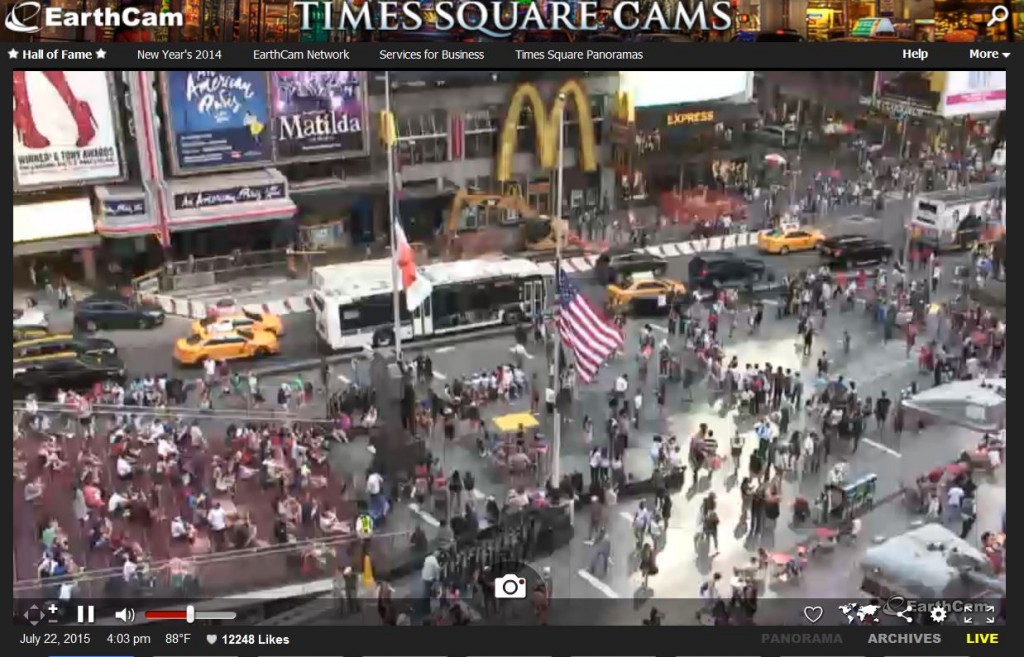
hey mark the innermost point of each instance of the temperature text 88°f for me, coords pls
(125, 639)
(178, 638)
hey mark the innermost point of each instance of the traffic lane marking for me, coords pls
(427, 517)
(888, 450)
(608, 591)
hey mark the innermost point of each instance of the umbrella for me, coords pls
(834, 173)
(775, 158)
(837, 128)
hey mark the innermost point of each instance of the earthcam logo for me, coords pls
(21, 17)
(30, 17)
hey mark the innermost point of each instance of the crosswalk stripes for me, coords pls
(586, 263)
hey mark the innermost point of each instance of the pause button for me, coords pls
(86, 614)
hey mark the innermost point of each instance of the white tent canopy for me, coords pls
(978, 404)
(929, 562)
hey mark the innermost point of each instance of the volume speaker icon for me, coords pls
(125, 615)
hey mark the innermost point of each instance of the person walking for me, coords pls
(882, 407)
(601, 557)
(736, 444)
(968, 514)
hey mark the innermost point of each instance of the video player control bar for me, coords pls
(189, 614)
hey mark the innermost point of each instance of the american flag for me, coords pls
(585, 331)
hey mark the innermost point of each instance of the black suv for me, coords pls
(614, 265)
(711, 273)
(847, 251)
(107, 311)
(43, 375)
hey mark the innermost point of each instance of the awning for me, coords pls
(52, 226)
(235, 198)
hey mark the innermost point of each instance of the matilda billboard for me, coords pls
(217, 119)
(319, 114)
(65, 129)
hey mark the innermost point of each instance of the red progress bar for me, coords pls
(167, 614)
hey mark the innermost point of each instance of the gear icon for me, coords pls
(938, 614)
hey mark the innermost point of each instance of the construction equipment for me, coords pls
(496, 223)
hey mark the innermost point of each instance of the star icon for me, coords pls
(101, 54)
(12, 53)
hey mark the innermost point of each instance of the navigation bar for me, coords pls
(705, 56)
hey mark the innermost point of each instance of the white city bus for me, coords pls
(958, 218)
(353, 303)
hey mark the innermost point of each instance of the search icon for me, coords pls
(1000, 14)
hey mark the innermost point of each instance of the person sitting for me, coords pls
(125, 468)
(34, 489)
(517, 498)
(329, 523)
(182, 531)
(223, 482)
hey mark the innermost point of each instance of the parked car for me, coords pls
(29, 333)
(30, 318)
(111, 311)
(57, 344)
(848, 251)
(615, 264)
(67, 370)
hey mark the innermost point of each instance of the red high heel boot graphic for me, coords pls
(25, 125)
(80, 110)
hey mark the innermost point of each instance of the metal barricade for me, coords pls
(221, 269)
(287, 570)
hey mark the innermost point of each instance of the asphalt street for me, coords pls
(150, 351)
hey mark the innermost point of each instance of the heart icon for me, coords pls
(212, 638)
(812, 614)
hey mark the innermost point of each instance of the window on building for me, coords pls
(481, 130)
(422, 138)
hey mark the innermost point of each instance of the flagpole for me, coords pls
(556, 442)
(396, 281)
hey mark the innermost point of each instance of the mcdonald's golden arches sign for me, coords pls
(547, 123)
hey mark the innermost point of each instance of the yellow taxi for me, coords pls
(226, 345)
(245, 321)
(645, 292)
(788, 238)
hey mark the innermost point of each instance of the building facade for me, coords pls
(172, 170)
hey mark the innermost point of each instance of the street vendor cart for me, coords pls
(840, 502)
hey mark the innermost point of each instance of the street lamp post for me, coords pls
(396, 280)
(556, 436)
